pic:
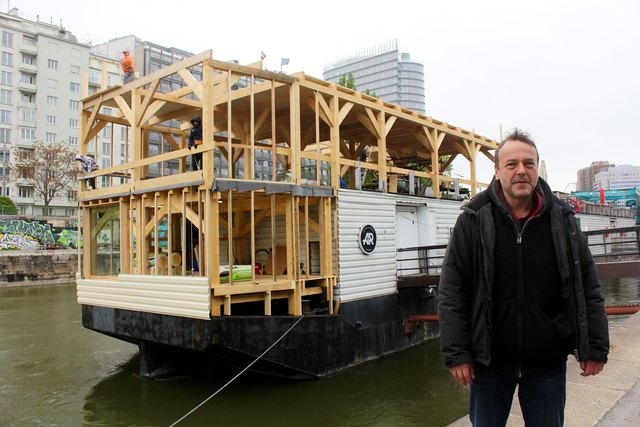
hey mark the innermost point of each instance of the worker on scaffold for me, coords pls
(128, 67)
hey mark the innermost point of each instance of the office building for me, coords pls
(618, 178)
(385, 71)
(586, 176)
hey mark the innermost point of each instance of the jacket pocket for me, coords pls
(505, 331)
(545, 337)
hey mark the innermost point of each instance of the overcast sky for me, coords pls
(567, 71)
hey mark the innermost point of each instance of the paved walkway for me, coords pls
(609, 399)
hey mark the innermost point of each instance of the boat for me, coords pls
(314, 227)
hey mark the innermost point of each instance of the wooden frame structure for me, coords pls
(297, 129)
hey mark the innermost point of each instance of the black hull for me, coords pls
(319, 345)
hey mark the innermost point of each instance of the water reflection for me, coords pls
(409, 389)
(54, 372)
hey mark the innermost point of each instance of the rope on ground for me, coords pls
(240, 373)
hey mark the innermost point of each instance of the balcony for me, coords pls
(25, 200)
(29, 49)
(25, 104)
(26, 123)
(27, 87)
(25, 143)
(28, 68)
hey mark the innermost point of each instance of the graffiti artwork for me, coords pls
(29, 235)
(15, 241)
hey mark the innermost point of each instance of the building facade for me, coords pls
(40, 91)
(385, 71)
(586, 176)
(618, 178)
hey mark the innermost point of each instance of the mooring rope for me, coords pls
(240, 373)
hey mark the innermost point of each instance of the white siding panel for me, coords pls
(171, 295)
(365, 276)
(447, 212)
(593, 222)
(589, 222)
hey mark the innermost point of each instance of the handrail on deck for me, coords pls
(429, 264)
(614, 244)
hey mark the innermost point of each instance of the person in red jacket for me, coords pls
(128, 67)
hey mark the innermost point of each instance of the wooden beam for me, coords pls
(143, 81)
(145, 102)
(193, 83)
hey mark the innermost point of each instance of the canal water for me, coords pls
(53, 372)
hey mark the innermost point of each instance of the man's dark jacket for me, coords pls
(465, 291)
(195, 134)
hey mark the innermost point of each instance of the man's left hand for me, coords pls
(591, 367)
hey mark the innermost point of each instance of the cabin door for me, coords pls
(407, 236)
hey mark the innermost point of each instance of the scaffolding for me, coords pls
(257, 221)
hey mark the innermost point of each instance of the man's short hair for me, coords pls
(518, 135)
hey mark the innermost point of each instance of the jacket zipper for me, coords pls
(520, 293)
(572, 295)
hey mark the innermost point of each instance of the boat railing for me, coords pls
(614, 244)
(420, 260)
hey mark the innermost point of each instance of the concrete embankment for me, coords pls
(606, 400)
(22, 268)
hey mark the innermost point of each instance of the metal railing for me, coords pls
(614, 244)
(420, 260)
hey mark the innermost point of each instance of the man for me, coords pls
(88, 164)
(518, 293)
(128, 67)
(195, 139)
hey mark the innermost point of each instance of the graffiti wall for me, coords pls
(31, 235)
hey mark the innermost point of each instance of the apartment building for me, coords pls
(41, 68)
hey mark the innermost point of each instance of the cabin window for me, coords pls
(105, 241)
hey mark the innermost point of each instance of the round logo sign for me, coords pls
(368, 239)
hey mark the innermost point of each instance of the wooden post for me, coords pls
(155, 233)
(230, 235)
(294, 129)
(230, 164)
(393, 183)
(136, 142)
(183, 242)
(213, 239)
(295, 299)
(250, 156)
(208, 126)
(306, 236)
(253, 235)
(435, 140)
(144, 241)
(125, 240)
(382, 153)
(317, 140)
(201, 236)
(169, 232)
(335, 142)
(273, 237)
(133, 230)
(88, 244)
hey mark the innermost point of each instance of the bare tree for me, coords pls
(49, 168)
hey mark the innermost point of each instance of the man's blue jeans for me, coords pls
(542, 397)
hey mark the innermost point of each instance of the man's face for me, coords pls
(518, 170)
